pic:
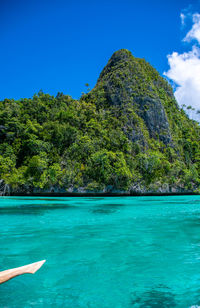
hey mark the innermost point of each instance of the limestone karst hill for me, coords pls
(126, 134)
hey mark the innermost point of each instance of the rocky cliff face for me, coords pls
(129, 81)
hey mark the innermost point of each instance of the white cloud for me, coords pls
(185, 71)
(182, 19)
(194, 33)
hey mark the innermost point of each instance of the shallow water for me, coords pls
(102, 252)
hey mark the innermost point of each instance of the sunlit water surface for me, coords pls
(102, 252)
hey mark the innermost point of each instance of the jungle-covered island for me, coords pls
(125, 136)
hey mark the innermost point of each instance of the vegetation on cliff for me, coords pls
(127, 131)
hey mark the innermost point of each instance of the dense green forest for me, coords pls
(127, 134)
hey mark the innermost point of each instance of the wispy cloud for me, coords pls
(182, 19)
(194, 33)
(185, 68)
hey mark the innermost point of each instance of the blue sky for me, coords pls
(61, 45)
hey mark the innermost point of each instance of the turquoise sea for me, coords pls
(116, 252)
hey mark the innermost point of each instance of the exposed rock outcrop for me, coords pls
(127, 81)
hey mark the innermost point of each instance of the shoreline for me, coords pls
(134, 194)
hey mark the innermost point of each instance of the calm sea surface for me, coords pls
(115, 252)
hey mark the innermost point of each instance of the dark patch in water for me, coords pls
(17, 212)
(155, 299)
(103, 211)
(115, 204)
(27, 209)
(52, 199)
(107, 208)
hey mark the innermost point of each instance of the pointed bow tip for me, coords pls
(36, 266)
